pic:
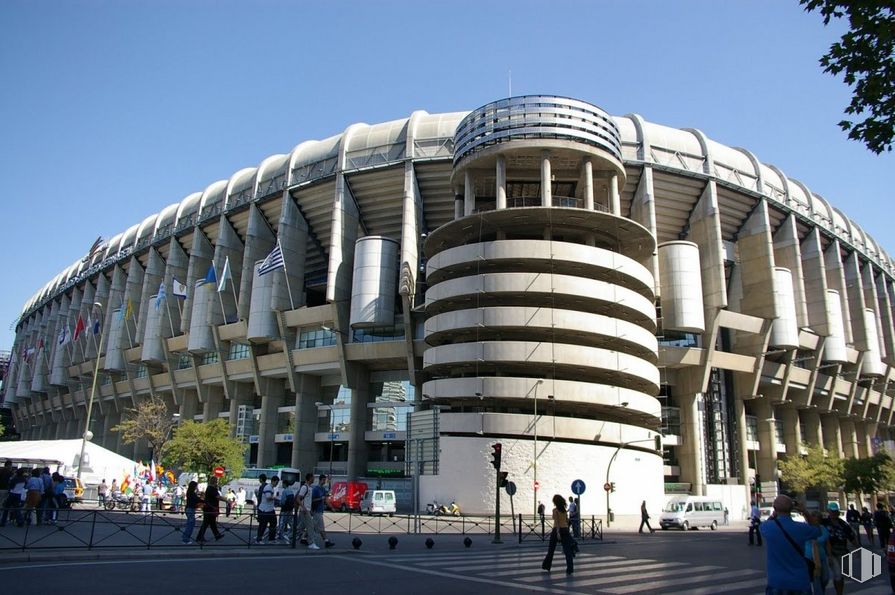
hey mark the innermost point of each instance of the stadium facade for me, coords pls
(610, 299)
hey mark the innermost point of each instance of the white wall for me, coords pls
(468, 477)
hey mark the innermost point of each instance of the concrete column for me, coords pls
(240, 394)
(692, 450)
(546, 180)
(835, 272)
(468, 193)
(359, 381)
(214, 403)
(272, 394)
(501, 172)
(866, 434)
(259, 242)
(705, 231)
(832, 433)
(767, 440)
(458, 206)
(110, 438)
(792, 434)
(814, 435)
(787, 254)
(740, 412)
(304, 449)
(201, 254)
(850, 445)
(189, 405)
(588, 174)
(614, 199)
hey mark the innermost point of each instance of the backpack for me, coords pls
(288, 502)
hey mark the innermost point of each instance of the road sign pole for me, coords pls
(496, 507)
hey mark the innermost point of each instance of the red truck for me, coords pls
(346, 496)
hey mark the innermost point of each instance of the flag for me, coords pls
(79, 328)
(225, 275)
(210, 276)
(151, 469)
(40, 344)
(273, 261)
(64, 336)
(179, 288)
(29, 354)
(97, 245)
(130, 309)
(162, 295)
(96, 326)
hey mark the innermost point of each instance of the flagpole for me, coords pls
(286, 273)
(221, 299)
(233, 288)
(168, 310)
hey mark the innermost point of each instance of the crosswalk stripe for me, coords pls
(533, 560)
(636, 575)
(633, 567)
(464, 556)
(726, 588)
(537, 569)
(688, 580)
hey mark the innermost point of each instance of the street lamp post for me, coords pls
(609, 468)
(87, 432)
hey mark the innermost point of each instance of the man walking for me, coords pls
(318, 507)
(840, 536)
(644, 518)
(210, 511)
(754, 524)
(883, 523)
(853, 518)
(102, 493)
(304, 501)
(267, 516)
(786, 563)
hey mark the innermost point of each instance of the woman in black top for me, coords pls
(210, 511)
(192, 503)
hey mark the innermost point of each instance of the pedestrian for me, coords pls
(574, 518)
(890, 558)
(883, 523)
(726, 516)
(146, 500)
(267, 516)
(853, 518)
(193, 502)
(114, 490)
(559, 533)
(177, 499)
(6, 473)
(541, 510)
(644, 518)
(318, 508)
(287, 511)
(34, 488)
(14, 499)
(818, 554)
(867, 522)
(58, 497)
(840, 536)
(240, 499)
(229, 501)
(102, 492)
(210, 511)
(48, 497)
(304, 500)
(786, 539)
(754, 524)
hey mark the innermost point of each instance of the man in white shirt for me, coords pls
(304, 500)
(267, 516)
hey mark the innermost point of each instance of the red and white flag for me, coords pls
(79, 329)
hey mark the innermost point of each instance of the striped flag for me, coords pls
(273, 261)
(225, 275)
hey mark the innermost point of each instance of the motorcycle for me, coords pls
(443, 510)
(121, 502)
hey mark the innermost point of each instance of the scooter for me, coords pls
(433, 508)
(453, 509)
(121, 502)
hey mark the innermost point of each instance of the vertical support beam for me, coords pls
(787, 253)
(792, 434)
(501, 184)
(767, 439)
(615, 204)
(468, 193)
(272, 396)
(546, 180)
(307, 394)
(359, 381)
(705, 232)
(832, 433)
(587, 174)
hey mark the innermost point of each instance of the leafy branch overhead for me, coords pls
(865, 57)
(150, 421)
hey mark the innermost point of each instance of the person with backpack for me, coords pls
(883, 523)
(304, 502)
(786, 540)
(318, 508)
(267, 516)
(210, 511)
(840, 537)
(287, 511)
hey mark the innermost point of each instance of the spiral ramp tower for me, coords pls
(540, 309)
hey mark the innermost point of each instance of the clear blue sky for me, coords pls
(112, 110)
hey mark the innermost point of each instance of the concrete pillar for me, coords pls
(459, 205)
(109, 438)
(866, 434)
(214, 402)
(588, 174)
(705, 232)
(787, 254)
(189, 405)
(832, 433)
(259, 242)
(767, 440)
(272, 394)
(240, 394)
(501, 172)
(546, 180)
(201, 254)
(614, 200)
(792, 433)
(850, 445)
(359, 381)
(742, 447)
(692, 450)
(304, 449)
(814, 435)
(468, 193)
(835, 272)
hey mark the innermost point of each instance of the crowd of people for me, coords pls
(30, 495)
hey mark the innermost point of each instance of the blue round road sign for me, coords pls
(578, 487)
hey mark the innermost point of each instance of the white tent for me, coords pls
(63, 455)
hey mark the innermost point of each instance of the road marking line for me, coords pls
(227, 559)
(629, 567)
(759, 582)
(538, 570)
(689, 580)
(640, 576)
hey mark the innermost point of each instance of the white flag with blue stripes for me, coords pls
(273, 261)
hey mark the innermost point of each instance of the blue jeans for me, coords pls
(190, 524)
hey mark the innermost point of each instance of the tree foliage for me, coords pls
(203, 446)
(865, 56)
(814, 470)
(150, 421)
(869, 475)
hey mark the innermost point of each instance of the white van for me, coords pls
(378, 502)
(689, 512)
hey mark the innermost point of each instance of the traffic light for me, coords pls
(658, 443)
(502, 480)
(495, 456)
(612, 487)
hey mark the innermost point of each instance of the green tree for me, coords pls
(865, 56)
(203, 446)
(868, 475)
(150, 421)
(813, 470)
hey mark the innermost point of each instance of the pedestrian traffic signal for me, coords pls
(502, 480)
(495, 456)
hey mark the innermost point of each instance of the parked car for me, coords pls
(74, 489)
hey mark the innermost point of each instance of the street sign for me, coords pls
(607, 486)
(511, 488)
(218, 471)
(578, 487)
